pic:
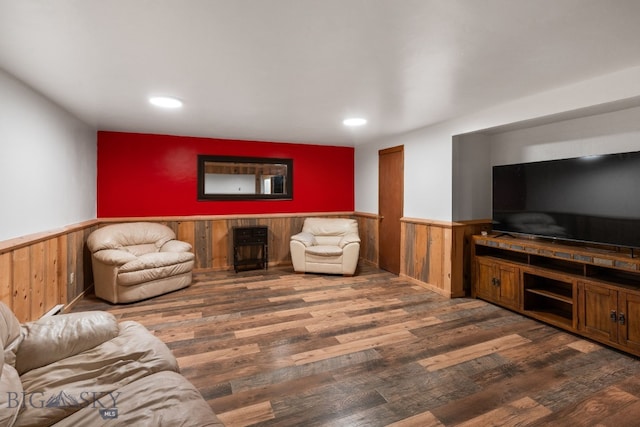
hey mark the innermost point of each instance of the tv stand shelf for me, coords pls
(549, 294)
(594, 292)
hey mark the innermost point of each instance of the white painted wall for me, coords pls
(471, 176)
(430, 154)
(47, 163)
(613, 132)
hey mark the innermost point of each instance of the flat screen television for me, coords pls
(594, 199)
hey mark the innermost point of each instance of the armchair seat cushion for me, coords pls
(130, 278)
(324, 251)
(156, 260)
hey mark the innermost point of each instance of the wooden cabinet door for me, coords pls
(509, 285)
(498, 282)
(629, 328)
(486, 280)
(598, 311)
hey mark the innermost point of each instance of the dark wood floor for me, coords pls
(282, 349)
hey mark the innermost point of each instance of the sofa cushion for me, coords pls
(50, 339)
(163, 399)
(11, 397)
(10, 334)
(135, 353)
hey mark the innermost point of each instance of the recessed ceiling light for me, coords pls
(355, 121)
(165, 102)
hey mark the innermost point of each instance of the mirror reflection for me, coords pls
(244, 178)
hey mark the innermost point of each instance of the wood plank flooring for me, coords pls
(274, 348)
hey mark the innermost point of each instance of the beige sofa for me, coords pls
(326, 245)
(86, 369)
(139, 260)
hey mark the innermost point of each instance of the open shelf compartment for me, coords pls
(549, 298)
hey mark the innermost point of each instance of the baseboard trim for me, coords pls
(429, 286)
(74, 301)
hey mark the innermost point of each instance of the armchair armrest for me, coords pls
(349, 238)
(114, 256)
(176, 246)
(50, 339)
(305, 238)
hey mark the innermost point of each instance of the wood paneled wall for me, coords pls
(40, 271)
(436, 254)
(369, 236)
(211, 236)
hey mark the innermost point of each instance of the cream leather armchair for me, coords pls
(326, 245)
(135, 261)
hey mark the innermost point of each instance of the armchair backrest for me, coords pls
(135, 237)
(329, 231)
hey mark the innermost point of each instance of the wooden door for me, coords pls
(390, 206)
(629, 320)
(598, 311)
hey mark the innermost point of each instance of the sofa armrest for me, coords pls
(54, 338)
(305, 238)
(176, 246)
(349, 238)
(114, 256)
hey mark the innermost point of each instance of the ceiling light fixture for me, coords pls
(165, 102)
(355, 121)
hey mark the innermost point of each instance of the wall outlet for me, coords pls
(72, 278)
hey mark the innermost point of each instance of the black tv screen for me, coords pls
(592, 199)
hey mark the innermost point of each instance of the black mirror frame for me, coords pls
(202, 196)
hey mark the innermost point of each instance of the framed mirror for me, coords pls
(244, 178)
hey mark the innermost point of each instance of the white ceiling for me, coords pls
(291, 70)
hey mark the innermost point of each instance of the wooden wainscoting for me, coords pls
(369, 236)
(436, 254)
(211, 236)
(40, 271)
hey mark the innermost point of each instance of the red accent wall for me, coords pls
(155, 175)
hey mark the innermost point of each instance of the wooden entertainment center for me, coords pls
(593, 292)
